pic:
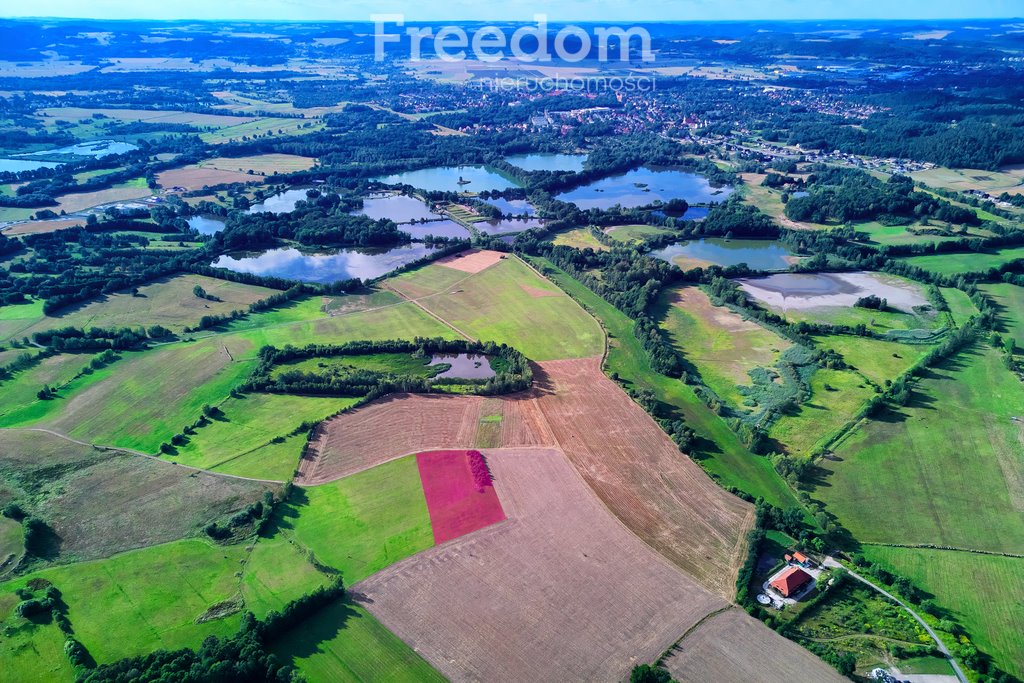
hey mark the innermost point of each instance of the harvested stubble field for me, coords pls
(460, 498)
(411, 423)
(639, 473)
(39, 227)
(731, 646)
(559, 591)
(103, 502)
(196, 177)
(261, 164)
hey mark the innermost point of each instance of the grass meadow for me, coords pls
(876, 359)
(633, 234)
(580, 238)
(969, 262)
(946, 469)
(364, 522)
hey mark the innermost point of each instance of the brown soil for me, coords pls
(194, 178)
(560, 591)
(38, 227)
(538, 293)
(472, 261)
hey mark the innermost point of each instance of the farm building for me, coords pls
(800, 559)
(791, 581)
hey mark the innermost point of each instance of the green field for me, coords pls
(343, 643)
(169, 302)
(896, 235)
(879, 322)
(960, 305)
(633, 234)
(241, 442)
(30, 651)
(947, 469)
(14, 320)
(982, 592)
(876, 359)
(261, 127)
(493, 305)
(364, 522)
(719, 450)
(836, 397)
(580, 238)
(718, 342)
(1009, 301)
(969, 262)
(393, 363)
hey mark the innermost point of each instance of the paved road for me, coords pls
(829, 562)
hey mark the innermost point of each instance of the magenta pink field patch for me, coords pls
(460, 494)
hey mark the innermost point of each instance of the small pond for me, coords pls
(758, 254)
(442, 228)
(643, 186)
(282, 202)
(206, 225)
(464, 366)
(343, 264)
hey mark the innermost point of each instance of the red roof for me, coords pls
(791, 580)
(800, 557)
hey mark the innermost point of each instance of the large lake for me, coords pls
(446, 179)
(548, 162)
(643, 186)
(343, 264)
(758, 254)
(19, 165)
(97, 149)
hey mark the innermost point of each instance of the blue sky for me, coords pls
(488, 10)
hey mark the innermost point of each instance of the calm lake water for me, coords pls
(548, 162)
(464, 366)
(758, 254)
(397, 207)
(97, 148)
(446, 179)
(205, 225)
(343, 264)
(444, 228)
(643, 186)
(508, 225)
(830, 290)
(19, 165)
(513, 207)
(282, 202)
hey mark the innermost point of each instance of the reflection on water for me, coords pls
(206, 226)
(447, 179)
(643, 186)
(96, 148)
(282, 202)
(395, 207)
(829, 290)
(758, 254)
(464, 366)
(548, 162)
(343, 264)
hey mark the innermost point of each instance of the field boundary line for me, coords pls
(688, 632)
(948, 548)
(140, 454)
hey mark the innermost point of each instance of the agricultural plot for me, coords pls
(344, 643)
(30, 651)
(103, 502)
(877, 359)
(252, 436)
(638, 472)
(21, 401)
(970, 262)
(634, 234)
(730, 646)
(1008, 179)
(459, 493)
(196, 177)
(169, 302)
(14, 320)
(719, 450)
(947, 469)
(981, 591)
(78, 114)
(78, 201)
(39, 227)
(510, 303)
(261, 164)
(510, 584)
(412, 423)
(961, 308)
(897, 235)
(580, 238)
(718, 342)
(1009, 302)
(261, 127)
(362, 523)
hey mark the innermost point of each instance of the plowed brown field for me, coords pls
(639, 473)
(472, 261)
(560, 591)
(411, 423)
(733, 646)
